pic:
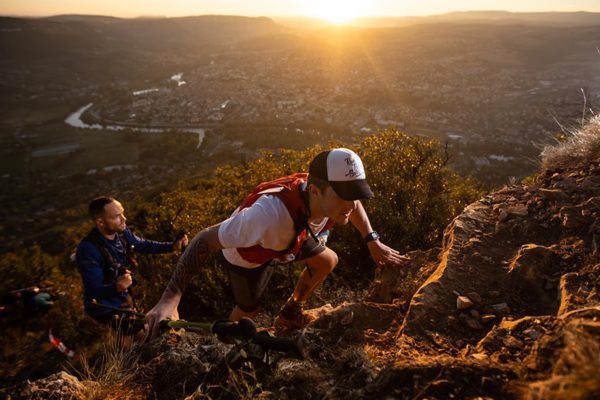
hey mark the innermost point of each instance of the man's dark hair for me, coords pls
(96, 208)
(318, 182)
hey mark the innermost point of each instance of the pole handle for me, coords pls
(281, 344)
(244, 328)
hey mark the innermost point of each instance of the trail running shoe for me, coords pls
(292, 317)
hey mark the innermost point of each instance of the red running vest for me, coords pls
(289, 190)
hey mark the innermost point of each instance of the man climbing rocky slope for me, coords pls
(509, 307)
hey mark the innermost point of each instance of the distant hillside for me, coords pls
(522, 46)
(67, 47)
(83, 18)
(556, 19)
(61, 34)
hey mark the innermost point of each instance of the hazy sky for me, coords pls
(344, 9)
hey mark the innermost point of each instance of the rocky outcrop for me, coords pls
(521, 251)
(394, 284)
(60, 385)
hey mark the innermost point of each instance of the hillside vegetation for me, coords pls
(416, 196)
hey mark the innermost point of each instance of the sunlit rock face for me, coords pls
(521, 251)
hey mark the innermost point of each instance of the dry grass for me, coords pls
(576, 373)
(112, 375)
(580, 148)
(241, 384)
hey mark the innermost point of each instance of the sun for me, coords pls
(336, 11)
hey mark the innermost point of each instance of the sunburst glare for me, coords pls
(337, 11)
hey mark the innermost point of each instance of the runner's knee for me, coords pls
(332, 259)
(324, 262)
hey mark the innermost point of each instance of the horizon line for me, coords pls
(297, 15)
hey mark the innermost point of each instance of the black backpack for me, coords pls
(112, 268)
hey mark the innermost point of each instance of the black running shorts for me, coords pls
(248, 284)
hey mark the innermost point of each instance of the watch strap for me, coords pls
(372, 236)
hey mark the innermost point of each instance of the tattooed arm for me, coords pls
(190, 262)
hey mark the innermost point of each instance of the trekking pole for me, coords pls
(181, 233)
(31, 289)
(120, 310)
(224, 329)
(245, 328)
(227, 330)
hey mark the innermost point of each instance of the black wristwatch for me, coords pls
(372, 236)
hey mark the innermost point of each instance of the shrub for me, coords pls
(26, 268)
(580, 147)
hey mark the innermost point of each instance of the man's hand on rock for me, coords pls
(385, 255)
(164, 309)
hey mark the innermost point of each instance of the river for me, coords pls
(74, 120)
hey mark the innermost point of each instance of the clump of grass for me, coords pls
(241, 384)
(575, 375)
(581, 147)
(112, 375)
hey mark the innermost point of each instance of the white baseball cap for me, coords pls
(344, 171)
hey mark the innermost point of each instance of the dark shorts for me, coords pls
(248, 284)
